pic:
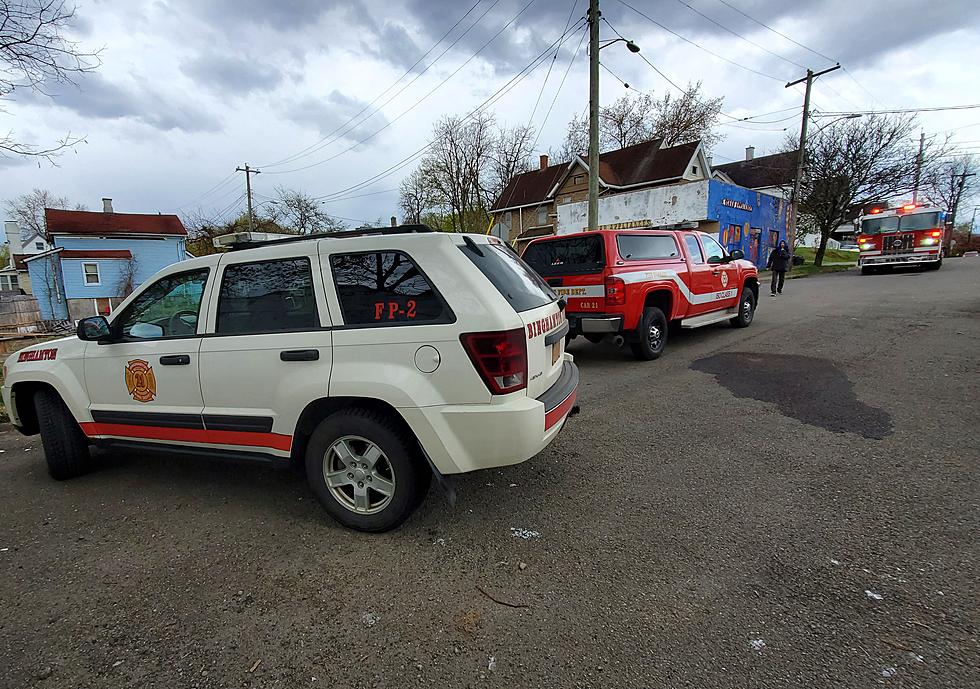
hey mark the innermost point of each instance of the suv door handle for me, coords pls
(716, 272)
(175, 359)
(300, 355)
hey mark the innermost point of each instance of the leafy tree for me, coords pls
(34, 53)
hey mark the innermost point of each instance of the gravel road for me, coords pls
(790, 505)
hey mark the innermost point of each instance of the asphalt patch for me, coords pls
(809, 389)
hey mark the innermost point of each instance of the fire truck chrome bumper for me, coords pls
(899, 260)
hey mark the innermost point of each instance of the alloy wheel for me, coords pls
(359, 475)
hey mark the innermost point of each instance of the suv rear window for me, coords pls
(645, 247)
(573, 256)
(514, 279)
(386, 288)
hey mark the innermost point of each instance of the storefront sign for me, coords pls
(626, 225)
(738, 205)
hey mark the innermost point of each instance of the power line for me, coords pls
(551, 66)
(738, 35)
(578, 49)
(778, 33)
(497, 95)
(698, 45)
(417, 103)
(901, 111)
(223, 182)
(324, 141)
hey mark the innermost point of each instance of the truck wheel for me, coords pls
(868, 270)
(746, 309)
(652, 334)
(65, 446)
(937, 265)
(366, 471)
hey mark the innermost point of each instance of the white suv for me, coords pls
(375, 358)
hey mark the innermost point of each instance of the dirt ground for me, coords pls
(790, 505)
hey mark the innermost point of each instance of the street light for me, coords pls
(852, 116)
(630, 45)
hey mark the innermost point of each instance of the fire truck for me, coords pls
(910, 235)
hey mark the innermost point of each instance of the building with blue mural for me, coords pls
(97, 259)
(749, 220)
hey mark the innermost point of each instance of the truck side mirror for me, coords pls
(93, 328)
(738, 255)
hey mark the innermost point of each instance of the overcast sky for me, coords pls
(190, 89)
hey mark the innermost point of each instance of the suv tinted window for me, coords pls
(712, 248)
(385, 288)
(167, 308)
(639, 247)
(267, 296)
(567, 256)
(694, 248)
(513, 278)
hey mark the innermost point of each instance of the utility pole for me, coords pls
(918, 166)
(594, 15)
(801, 151)
(249, 171)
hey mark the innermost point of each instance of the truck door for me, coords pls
(723, 282)
(701, 280)
(268, 351)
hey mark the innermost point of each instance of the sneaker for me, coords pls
(773, 294)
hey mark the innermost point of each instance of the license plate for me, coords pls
(555, 352)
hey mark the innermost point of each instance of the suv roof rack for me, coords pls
(363, 232)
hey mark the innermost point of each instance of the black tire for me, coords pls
(937, 265)
(594, 338)
(746, 309)
(868, 270)
(65, 446)
(647, 347)
(408, 469)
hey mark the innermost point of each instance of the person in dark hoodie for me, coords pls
(779, 262)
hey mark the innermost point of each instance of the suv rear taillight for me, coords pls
(615, 291)
(500, 358)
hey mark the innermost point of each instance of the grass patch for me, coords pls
(830, 256)
(809, 269)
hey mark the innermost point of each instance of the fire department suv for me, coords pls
(911, 235)
(630, 285)
(373, 359)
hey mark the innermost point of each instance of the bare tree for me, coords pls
(576, 140)
(28, 210)
(852, 163)
(127, 276)
(417, 196)
(688, 117)
(629, 120)
(35, 53)
(511, 156)
(948, 181)
(298, 212)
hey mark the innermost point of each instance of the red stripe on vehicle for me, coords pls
(275, 441)
(561, 411)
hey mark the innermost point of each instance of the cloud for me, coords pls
(230, 74)
(282, 16)
(327, 114)
(96, 97)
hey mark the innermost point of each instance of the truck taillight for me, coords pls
(615, 291)
(500, 358)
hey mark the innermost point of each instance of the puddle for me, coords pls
(809, 389)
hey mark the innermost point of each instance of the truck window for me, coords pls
(918, 221)
(167, 308)
(385, 288)
(573, 256)
(888, 223)
(711, 248)
(694, 248)
(267, 296)
(642, 247)
(513, 278)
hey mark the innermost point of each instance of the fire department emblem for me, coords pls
(724, 278)
(140, 381)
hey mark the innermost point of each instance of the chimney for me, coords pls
(394, 221)
(543, 161)
(12, 230)
(711, 163)
(106, 205)
(749, 152)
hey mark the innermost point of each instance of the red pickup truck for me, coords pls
(632, 284)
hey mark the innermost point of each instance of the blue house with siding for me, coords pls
(98, 259)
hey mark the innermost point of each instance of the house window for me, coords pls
(8, 282)
(90, 273)
(694, 169)
(543, 215)
(579, 179)
(39, 246)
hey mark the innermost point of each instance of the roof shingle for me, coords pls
(776, 170)
(95, 223)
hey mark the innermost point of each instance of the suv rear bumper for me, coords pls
(511, 430)
(580, 323)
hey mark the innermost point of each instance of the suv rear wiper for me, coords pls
(472, 245)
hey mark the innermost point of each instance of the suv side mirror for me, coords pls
(738, 255)
(93, 328)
